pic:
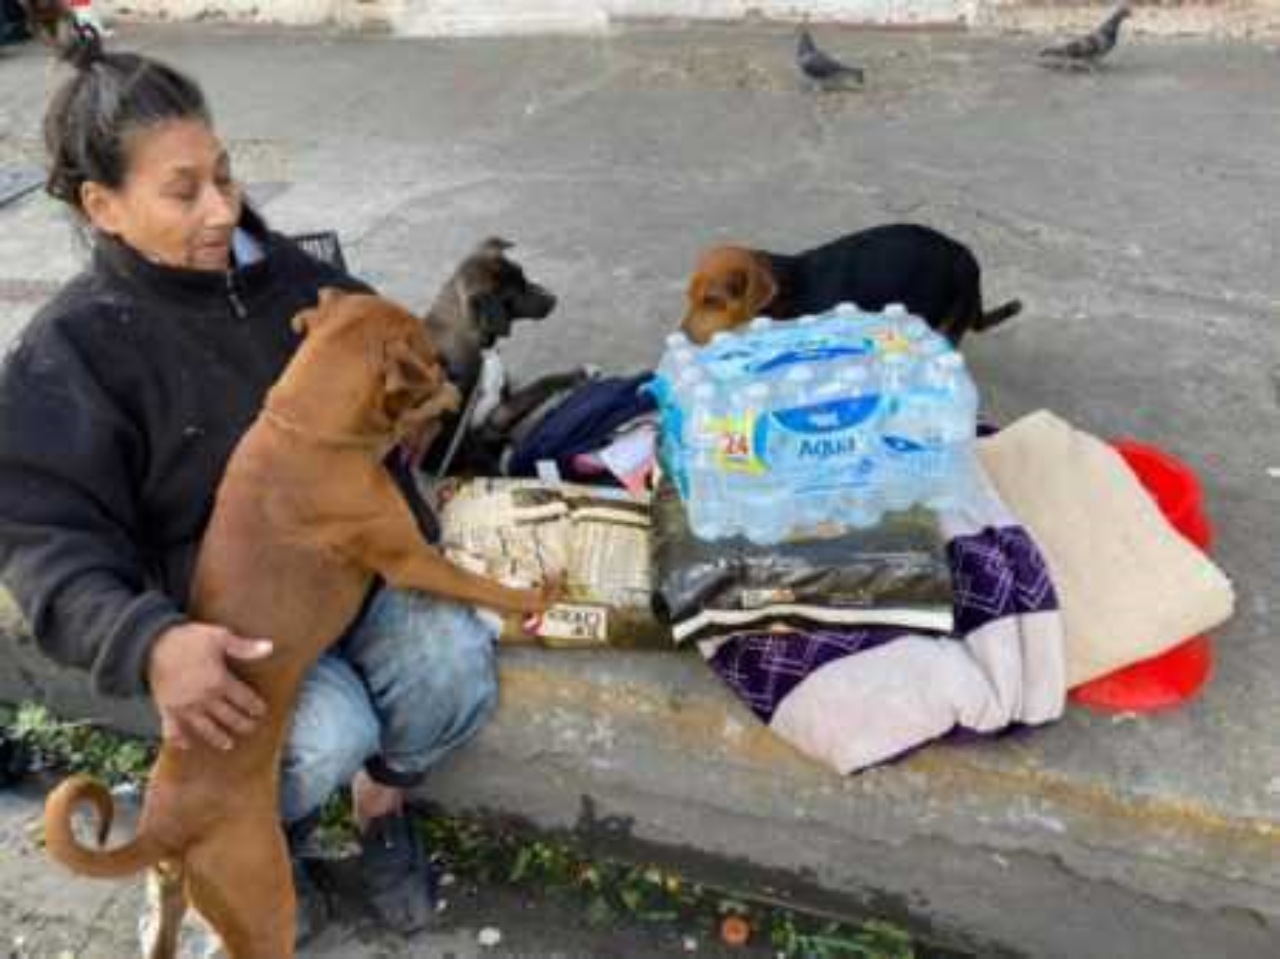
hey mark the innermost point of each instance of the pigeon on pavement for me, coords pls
(821, 68)
(1086, 51)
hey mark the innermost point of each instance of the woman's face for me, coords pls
(178, 204)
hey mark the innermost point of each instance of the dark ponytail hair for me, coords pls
(92, 115)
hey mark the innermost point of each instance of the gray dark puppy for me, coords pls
(1086, 51)
(476, 307)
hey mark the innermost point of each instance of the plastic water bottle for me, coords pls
(858, 502)
(957, 420)
(763, 493)
(707, 507)
(898, 477)
(786, 426)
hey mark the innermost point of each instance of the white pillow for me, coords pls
(1130, 586)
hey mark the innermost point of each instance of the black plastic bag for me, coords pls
(893, 573)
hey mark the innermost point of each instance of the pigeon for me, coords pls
(1092, 47)
(821, 68)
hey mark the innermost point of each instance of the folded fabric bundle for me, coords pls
(851, 697)
(1130, 586)
(893, 573)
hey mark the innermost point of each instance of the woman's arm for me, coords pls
(69, 461)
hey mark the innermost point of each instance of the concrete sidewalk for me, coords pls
(1132, 211)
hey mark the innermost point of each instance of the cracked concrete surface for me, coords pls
(1131, 210)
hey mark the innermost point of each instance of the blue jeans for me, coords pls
(413, 681)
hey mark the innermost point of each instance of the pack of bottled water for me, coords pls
(791, 427)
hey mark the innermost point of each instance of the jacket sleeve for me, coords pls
(69, 518)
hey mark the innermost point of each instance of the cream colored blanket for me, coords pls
(1130, 587)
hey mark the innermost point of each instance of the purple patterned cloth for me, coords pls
(763, 667)
(859, 696)
(996, 573)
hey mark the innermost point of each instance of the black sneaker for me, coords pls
(397, 877)
(312, 913)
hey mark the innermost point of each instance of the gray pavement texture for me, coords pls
(1132, 210)
(46, 915)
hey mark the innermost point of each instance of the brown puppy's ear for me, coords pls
(693, 298)
(307, 320)
(735, 284)
(761, 287)
(697, 286)
(406, 378)
(304, 321)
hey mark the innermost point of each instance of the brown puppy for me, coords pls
(305, 516)
(934, 276)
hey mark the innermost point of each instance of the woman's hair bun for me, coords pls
(79, 43)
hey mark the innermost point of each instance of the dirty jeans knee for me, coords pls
(430, 671)
(334, 731)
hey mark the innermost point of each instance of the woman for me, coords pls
(119, 407)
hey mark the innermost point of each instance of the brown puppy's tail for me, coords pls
(139, 853)
(997, 316)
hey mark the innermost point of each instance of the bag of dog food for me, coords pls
(597, 539)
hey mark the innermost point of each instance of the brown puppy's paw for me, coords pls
(535, 602)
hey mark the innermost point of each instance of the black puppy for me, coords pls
(475, 309)
(935, 277)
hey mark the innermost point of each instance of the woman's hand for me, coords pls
(196, 694)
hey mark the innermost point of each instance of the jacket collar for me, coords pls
(122, 262)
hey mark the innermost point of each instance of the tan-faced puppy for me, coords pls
(306, 515)
(932, 275)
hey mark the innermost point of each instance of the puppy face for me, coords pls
(497, 292)
(390, 372)
(729, 287)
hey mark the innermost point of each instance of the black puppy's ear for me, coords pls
(494, 247)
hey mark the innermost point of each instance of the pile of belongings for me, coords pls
(1056, 568)
(1062, 568)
